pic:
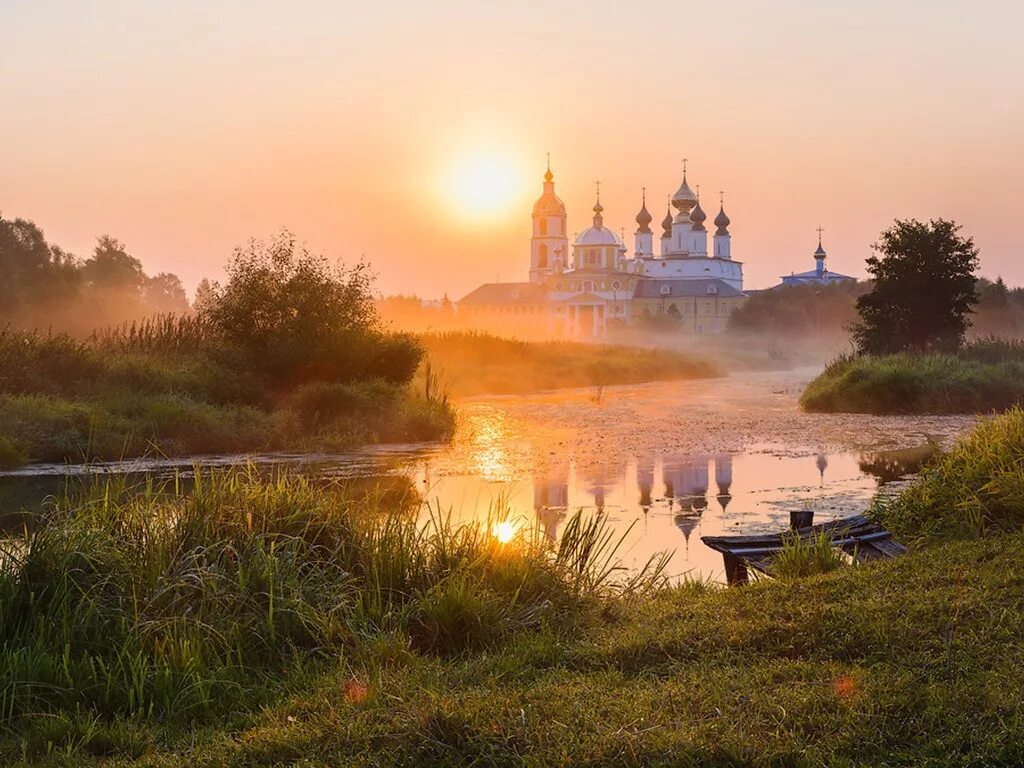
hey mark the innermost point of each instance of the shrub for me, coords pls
(295, 318)
(30, 362)
(321, 402)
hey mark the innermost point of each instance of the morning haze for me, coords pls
(511, 384)
(186, 128)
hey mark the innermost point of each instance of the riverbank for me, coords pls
(472, 364)
(277, 623)
(110, 398)
(985, 376)
(120, 396)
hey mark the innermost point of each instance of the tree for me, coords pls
(299, 319)
(111, 266)
(164, 293)
(31, 270)
(204, 298)
(924, 289)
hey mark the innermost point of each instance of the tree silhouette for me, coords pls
(924, 289)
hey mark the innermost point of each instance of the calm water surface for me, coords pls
(666, 503)
(668, 462)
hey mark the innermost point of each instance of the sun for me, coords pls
(482, 184)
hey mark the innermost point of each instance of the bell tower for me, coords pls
(549, 245)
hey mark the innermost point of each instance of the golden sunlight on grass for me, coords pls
(482, 183)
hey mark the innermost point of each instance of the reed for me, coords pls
(181, 602)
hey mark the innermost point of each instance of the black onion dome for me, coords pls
(644, 219)
(666, 224)
(698, 217)
(722, 222)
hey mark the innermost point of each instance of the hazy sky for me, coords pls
(184, 128)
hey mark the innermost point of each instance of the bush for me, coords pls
(295, 318)
(31, 362)
(321, 402)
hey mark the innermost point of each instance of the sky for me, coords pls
(187, 128)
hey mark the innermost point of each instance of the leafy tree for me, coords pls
(799, 310)
(164, 293)
(31, 270)
(111, 266)
(204, 298)
(297, 318)
(924, 289)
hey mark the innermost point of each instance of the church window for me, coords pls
(542, 256)
(543, 226)
(586, 286)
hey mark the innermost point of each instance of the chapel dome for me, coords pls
(697, 215)
(684, 198)
(597, 235)
(644, 219)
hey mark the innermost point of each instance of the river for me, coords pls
(665, 463)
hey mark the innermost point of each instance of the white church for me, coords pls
(684, 285)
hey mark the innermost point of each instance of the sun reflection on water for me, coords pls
(490, 456)
(504, 531)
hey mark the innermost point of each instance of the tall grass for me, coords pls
(160, 333)
(170, 385)
(805, 556)
(986, 375)
(157, 602)
(975, 488)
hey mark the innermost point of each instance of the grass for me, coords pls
(984, 377)
(273, 622)
(136, 606)
(908, 662)
(167, 388)
(974, 489)
(478, 363)
(800, 557)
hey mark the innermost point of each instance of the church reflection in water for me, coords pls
(686, 486)
(683, 489)
(667, 502)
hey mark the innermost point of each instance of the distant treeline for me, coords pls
(801, 310)
(43, 286)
